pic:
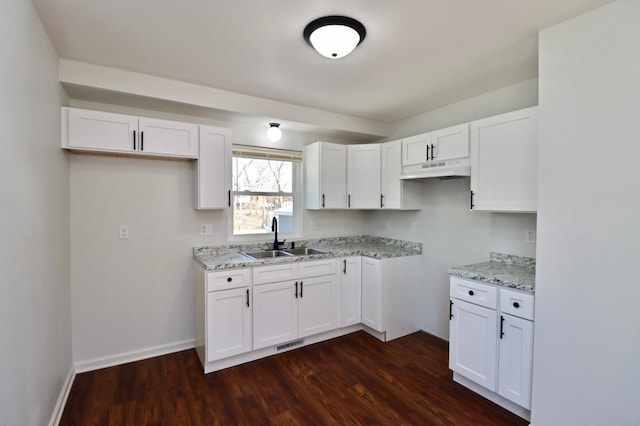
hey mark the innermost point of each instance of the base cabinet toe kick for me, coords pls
(250, 313)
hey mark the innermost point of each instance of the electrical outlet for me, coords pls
(413, 227)
(387, 224)
(124, 232)
(206, 229)
(530, 236)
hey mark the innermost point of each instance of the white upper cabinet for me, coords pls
(440, 145)
(504, 162)
(325, 175)
(101, 131)
(396, 193)
(416, 149)
(363, 176)
(168, 137)
(106, 132)
(213, 169)
(450, 143)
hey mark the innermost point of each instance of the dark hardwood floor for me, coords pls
(351, 380)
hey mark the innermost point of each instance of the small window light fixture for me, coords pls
(273, 132)
(334, 36)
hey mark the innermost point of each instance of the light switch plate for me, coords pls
(206, 229)
(530, 236)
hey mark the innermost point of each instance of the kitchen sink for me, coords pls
(266, 254)
(271, 254)
(304, 251)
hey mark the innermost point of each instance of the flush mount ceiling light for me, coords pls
(334, 36)
(273, 132)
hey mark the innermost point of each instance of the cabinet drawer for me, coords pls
(231, 278)
(275, 273)
(474, 292)
(318, 268)
(516, 303)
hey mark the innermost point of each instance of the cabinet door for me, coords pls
(228, 323)
(391, 185)
(416, 149)
(363, 176)
(372, 293)
(504, 162)
(472, 343)
(166, 137)
(350, 291)
(275, 314)
(516, 360)
(450, 143)
(102, 131)
(318, 308)
(333, 176)
(213, 174)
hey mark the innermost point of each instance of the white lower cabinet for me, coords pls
(390, 296)
(491, 339)
(350, 290)
(275, 313)
(372, 293)
(223, 313)
(516, 360)
(228, 323)
(472, 343)
(248, 313)
(293, 308)
(318, 305)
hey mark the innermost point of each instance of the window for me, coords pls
(265, 185)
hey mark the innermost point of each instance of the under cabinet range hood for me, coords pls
(439, 154)
(438, 169)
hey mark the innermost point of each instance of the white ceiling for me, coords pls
(418, 54)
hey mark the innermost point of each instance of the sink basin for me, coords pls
(304, 251)
(265, 254)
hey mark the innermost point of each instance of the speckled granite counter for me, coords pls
(226, 257)
(502, 269)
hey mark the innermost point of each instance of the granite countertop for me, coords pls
(227, 257)
(503, 269)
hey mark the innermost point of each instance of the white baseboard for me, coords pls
(123, 358)
(62, 398)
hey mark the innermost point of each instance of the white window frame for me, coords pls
(296, 193)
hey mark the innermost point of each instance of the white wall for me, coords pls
(510, 98)
(451, 234)
(35, 327)
(587, 330)
(134, 298)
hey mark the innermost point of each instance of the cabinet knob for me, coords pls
(229, 279)
(516, 305)
(471, 293)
